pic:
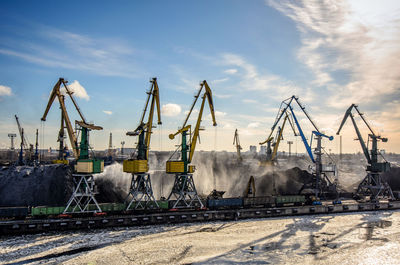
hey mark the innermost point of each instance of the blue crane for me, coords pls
(319, 172)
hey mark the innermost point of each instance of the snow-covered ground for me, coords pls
(359, 238)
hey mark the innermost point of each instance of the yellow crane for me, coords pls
(238, 146)
(84, 190)
(278, 138)
(184, 188)
(141, 191)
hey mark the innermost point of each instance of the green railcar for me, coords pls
(46, 211)
(163, 204)
(290, 199)
(151, 205)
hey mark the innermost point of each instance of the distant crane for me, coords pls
(184, 188)
(36, 157)
(372, 185)
(141, 191)
(24, 142)
(279, 136)
(25, 145)
(236, 142)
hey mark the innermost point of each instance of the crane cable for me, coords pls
(42, 127)
(215, 152)
(160, 150)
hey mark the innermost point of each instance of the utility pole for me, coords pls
(37, 146)
(12, 136)
(340, 147)
(290, 147)
(110, 146)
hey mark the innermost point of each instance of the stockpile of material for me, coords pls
(34, 186)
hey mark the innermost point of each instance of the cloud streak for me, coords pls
(51, 47)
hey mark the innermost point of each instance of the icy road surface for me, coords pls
(362, 238)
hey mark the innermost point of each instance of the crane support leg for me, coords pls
(141, 193)
(374, 186)
(82, 199)
(184, 191)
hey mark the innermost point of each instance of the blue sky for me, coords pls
(253, 54)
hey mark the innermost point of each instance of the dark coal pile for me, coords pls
(34, 186)
(393, 178)
(286, 182)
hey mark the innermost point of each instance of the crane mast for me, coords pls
(372, 185)
(184, 189)
(141, 192)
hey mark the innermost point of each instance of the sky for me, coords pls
(253, 54)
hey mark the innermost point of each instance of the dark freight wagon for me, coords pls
(225, 203)
(14, 212)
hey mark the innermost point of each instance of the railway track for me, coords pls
(28, 226)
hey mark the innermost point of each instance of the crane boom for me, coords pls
(360, 138)
(56, 92)
(69, 92)
(278, 139)
(306, 145)
(207, 94)
(144, 131)
(285, 104)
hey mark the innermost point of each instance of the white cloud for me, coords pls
(358, 38)
(219, 114)
(222, 96)
(219, 80)
(230, 71)
(171, 109)
(78, 89)
(108, 112)
(253, 125)
(5, 91)
(250, 101)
